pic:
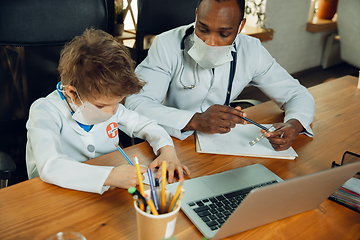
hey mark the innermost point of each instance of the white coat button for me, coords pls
(91, 148)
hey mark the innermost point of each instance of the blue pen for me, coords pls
(124, 154)
(153, 193)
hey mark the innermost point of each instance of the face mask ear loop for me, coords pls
(79, 97)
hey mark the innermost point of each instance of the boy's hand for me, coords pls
(124, 176)
(168, 154)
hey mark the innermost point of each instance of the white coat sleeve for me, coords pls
(136, 125)
(156, 70)
(53, 165)
(284, 90)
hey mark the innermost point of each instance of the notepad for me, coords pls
(353, 184)
(236, 142)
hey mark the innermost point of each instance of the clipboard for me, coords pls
(344, 196)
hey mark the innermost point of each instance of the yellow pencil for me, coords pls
(163, 193)
(176, 195)
(152, 206)
(177, 203)
(139, 175)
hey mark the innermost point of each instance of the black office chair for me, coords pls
(157, 16)
(32, 34)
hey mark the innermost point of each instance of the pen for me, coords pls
(176, 195)
(153, 193)
(133, 191)
(255, 123)
(163, 193)
(124, 154)
(157, 190)
(139, 175)
(136, 198)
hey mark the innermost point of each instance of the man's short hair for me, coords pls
(241, 4)
(96, 64)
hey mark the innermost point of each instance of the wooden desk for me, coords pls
(34, 209)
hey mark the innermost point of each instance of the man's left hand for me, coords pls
(284, 135)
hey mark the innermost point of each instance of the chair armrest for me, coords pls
(7, 166)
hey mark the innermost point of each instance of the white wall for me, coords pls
(293, 47)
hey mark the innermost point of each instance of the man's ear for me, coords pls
(242, 25)
(71, 92)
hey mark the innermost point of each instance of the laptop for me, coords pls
(241, 199)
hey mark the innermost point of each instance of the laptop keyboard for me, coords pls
(214, 211)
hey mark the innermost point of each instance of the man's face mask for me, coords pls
(210, 56)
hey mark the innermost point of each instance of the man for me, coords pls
(191, 76)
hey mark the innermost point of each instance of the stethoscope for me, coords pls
(188, 32)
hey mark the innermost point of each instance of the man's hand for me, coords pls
(284, 135)
(216, 119)
(173, 164)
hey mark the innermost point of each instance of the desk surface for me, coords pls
(34, 209)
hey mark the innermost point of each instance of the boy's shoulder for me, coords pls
(51, 102)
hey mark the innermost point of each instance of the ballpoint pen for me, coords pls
(153, 193)
(163, 193)
(124, 154)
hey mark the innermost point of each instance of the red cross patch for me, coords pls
(112, 130)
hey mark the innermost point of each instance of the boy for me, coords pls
(79, 120)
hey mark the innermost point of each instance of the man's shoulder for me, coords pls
(243, 39)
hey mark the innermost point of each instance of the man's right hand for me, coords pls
(216, 119)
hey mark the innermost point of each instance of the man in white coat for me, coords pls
(193, 72)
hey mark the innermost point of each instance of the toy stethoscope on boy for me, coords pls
(208, 57)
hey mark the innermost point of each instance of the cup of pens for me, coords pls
(156, 227)
(156, 209)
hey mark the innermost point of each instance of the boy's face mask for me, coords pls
(88, 114)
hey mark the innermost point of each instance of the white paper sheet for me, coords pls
(236, 142)
(353, 184)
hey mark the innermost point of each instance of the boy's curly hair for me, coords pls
(96, 64)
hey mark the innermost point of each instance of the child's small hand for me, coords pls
(124, 176)
(173, 164)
